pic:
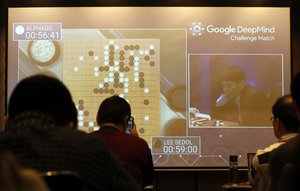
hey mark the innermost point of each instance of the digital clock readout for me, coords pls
(37, 31)
(184, 149)
(176, 145)
(32, 35)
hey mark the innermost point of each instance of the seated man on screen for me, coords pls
(41, 134)
(118, 129)
(286, 125)
(240, 102)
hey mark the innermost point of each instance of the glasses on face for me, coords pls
(273, 118)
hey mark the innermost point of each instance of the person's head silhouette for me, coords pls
(45, 94)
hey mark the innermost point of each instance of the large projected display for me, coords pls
(201, 80)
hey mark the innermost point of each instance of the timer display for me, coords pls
(183, 149)
(176, 145)
(31, 35)
(37, 31)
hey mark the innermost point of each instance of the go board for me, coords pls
(96, 69)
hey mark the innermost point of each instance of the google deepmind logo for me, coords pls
(197, 29)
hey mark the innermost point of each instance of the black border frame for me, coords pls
(220, 3)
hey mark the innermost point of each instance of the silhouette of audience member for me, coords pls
(38, 133)
(286, 125)
(15, 178)
(289, 153)
(114, 117)
(240, 102)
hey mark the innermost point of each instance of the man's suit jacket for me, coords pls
(288, 153)
(255, 109)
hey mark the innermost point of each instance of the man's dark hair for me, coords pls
(233, 73)
(113, 110)
(44, 94)
(295, 89)
(286, 111)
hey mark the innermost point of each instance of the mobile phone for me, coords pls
(129, 126)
